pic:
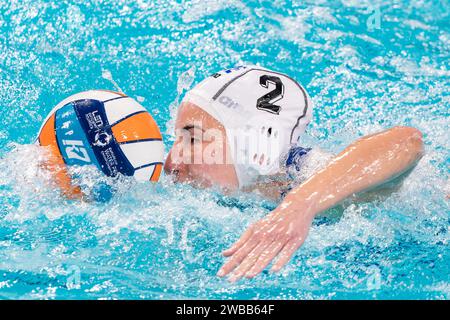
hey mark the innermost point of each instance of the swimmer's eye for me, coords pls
(192, 132)
(194, 140)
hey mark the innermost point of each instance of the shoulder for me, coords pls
(302, 162)
(295, 154)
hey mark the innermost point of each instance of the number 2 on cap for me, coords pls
(266, 102)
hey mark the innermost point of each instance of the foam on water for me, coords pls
(164, 240)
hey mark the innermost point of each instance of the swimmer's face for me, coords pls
(198, 155)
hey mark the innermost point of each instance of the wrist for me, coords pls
(303, 204)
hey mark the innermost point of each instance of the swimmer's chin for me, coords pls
(268, 189)
(205, 184)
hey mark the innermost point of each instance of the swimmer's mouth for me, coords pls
(177, 178)
(174, 174)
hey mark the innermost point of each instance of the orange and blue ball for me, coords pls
(106, 129)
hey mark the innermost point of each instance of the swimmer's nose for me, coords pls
(173, 168)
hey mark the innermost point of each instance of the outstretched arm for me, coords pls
(366, 163)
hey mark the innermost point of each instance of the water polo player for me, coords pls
(241, 129)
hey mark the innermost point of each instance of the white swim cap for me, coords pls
(263, 112)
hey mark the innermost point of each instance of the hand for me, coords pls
(279, 234)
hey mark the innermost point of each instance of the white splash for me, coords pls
(107, 75)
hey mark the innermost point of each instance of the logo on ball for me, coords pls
(102, 139)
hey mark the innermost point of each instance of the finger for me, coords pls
(237, 257)
(247, 234)
(286, 254)
(265, 258)
(249, 261)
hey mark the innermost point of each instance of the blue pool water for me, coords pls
(366, 67)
